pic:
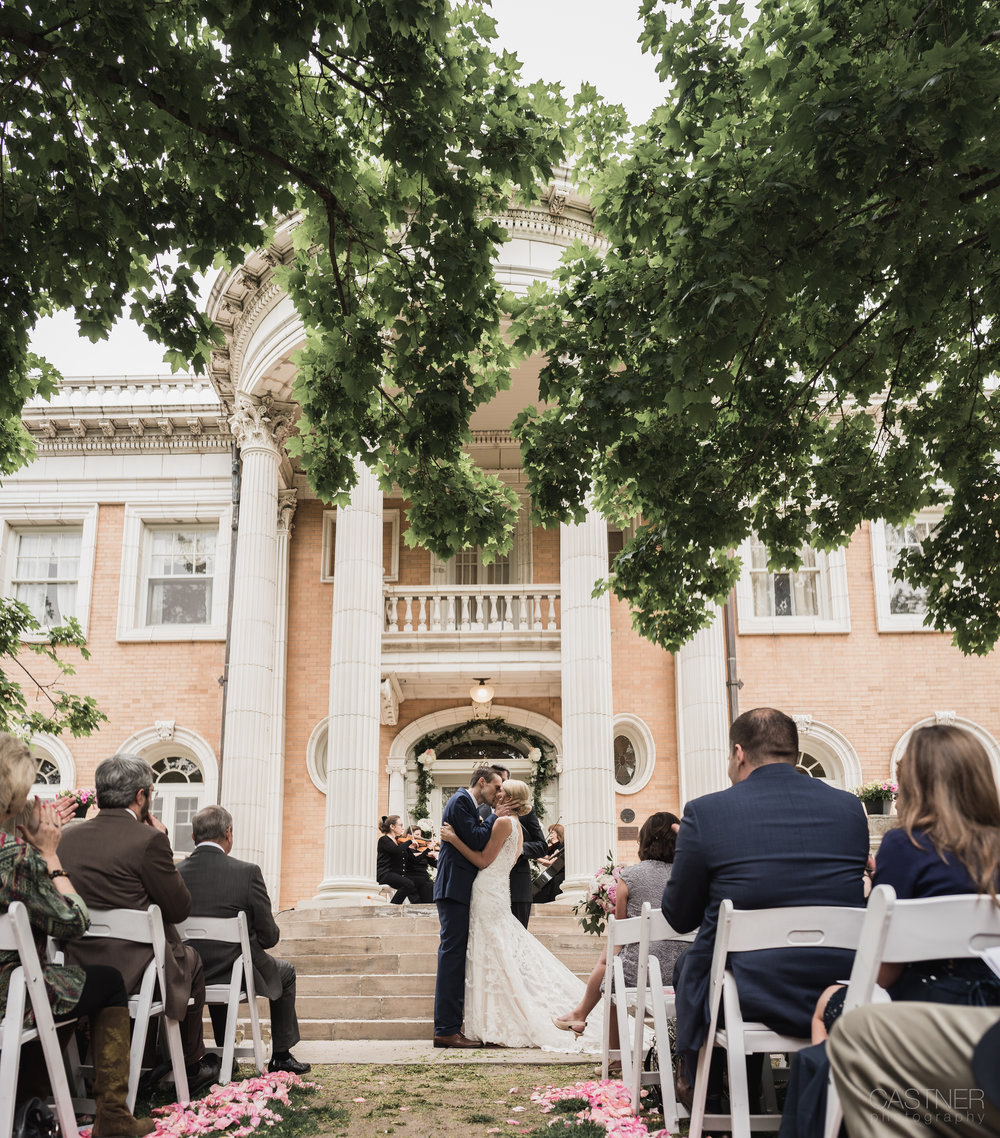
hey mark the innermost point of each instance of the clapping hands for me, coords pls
(43, 827)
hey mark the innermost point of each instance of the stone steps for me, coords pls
(368, 972)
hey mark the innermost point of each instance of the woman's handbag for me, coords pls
(33, 1119)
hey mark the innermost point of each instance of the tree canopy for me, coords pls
(795, 328)
(141, 144)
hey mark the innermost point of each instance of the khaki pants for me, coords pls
(906, 1069)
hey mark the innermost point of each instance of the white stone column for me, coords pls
(352, 763)
(396, 770)
(271, 862)
(247, 788)
(702, 713)
(586, 786)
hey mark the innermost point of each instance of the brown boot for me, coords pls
(110, 1044)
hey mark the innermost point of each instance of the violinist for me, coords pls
(421, 854)
(390, 866)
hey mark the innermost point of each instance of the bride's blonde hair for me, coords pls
(519, 794)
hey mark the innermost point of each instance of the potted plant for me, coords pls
(84, 797)
(877, 796)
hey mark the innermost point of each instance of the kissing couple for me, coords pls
(491, 971)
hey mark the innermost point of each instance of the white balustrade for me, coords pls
(470, 608)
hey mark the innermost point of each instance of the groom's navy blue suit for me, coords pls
(453, 894)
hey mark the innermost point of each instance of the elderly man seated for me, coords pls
(224, 886)
(121, 859)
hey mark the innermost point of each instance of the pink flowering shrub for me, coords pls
(609, 1106)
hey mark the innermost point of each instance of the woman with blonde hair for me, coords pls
(513, 985)
(947, 842)
(30, 872)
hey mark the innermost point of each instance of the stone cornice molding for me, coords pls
(128, 443)
(258, 425)
(558, 228)
(287, 501)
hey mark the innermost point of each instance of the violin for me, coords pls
(418, 845)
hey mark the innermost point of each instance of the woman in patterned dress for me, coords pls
(30, 872)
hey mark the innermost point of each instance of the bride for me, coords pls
(513, 986)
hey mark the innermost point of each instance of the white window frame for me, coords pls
(44, 746)
(82, 518)
(390, 517)
(832, 590)
(139, 520)
(832, 749)
(643, 744)
(885, 619)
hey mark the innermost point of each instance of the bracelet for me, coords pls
(54, 873)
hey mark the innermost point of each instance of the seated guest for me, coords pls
(419, 855)
(31, 872)
(947, 842)
(549, 882)
(774, 838)
(639, 883)
(224, 886)
(918, 1070)
(390, 866)
(122, 860)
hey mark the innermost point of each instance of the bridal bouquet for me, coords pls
(599, 904)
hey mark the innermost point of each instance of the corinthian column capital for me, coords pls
(256, 425)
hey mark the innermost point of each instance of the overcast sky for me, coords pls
(574, 42)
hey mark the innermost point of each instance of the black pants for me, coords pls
(424, 887)
(404, 887)
(284, 1022)
(521, 910)
(103, 988)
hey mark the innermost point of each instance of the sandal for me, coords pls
(567, 1023)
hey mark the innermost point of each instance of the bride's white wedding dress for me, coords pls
(513, 985)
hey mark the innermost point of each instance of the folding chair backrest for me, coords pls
(925, 928)
(122, 924)
(626, 931)
(799, 926)
(223, 929)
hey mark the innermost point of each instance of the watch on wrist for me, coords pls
(54, 873)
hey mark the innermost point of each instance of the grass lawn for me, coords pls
(439, 1101)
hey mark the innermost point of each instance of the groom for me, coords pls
(453, 894)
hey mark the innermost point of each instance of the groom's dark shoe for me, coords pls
(456, 1040)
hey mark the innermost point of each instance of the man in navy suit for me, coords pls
(453, 895)
(775, 838)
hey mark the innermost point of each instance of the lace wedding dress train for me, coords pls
(513, 985)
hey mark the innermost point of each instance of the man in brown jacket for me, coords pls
(121, 859)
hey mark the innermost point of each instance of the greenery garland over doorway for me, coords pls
(485, 730)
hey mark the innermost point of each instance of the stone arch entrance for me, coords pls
(455, 762)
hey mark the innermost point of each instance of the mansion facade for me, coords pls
(303, 666)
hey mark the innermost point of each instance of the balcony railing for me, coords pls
(472, 608)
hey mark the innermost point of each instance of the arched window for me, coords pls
(811, 766)
(825, 753)
(56, 769)
(179, 795)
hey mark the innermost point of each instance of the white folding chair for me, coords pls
(231, 930)
(145, 926)
(658, 1000)
(747, 930)
(899, 932)
(617, 995)
(27, 988)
